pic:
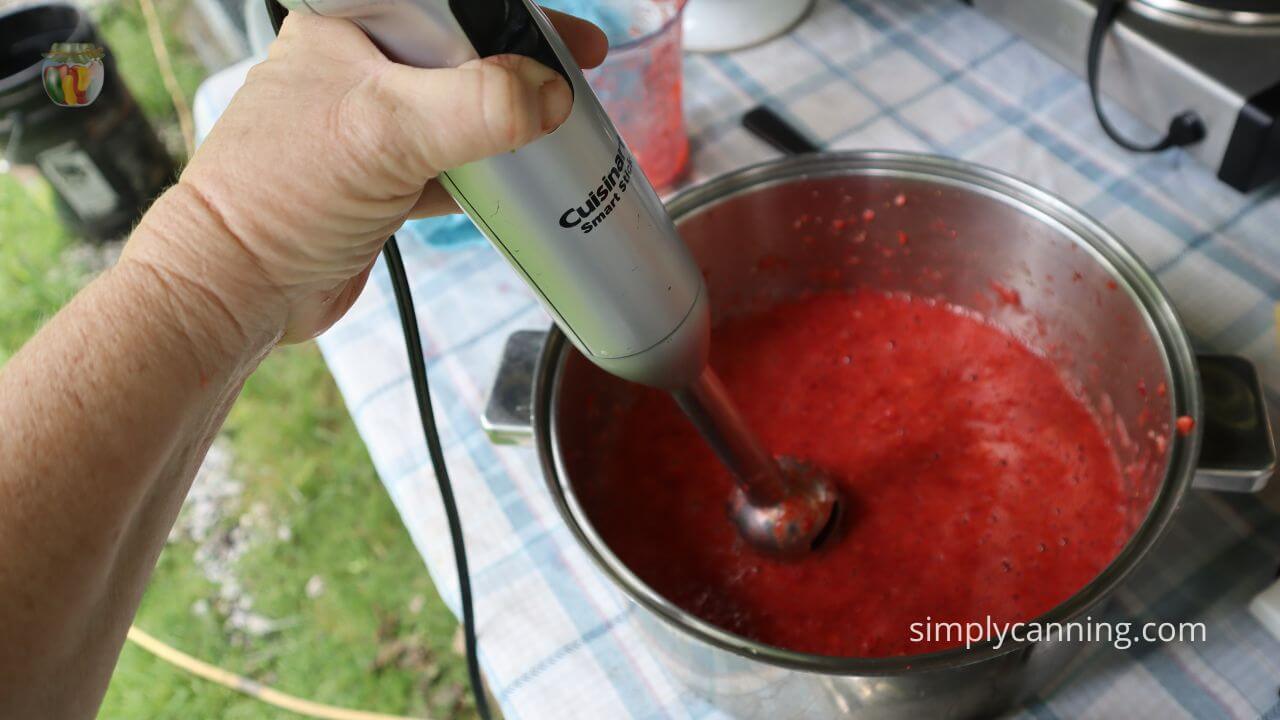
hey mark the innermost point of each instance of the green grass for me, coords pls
(33, 281)
(294, 448)
(121, 24)
(298, 455)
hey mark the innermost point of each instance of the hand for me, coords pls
(324, 152)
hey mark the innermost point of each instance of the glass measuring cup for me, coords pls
(639, 82)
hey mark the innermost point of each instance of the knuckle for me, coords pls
(363, 117)
(505, 105)
(366, 132)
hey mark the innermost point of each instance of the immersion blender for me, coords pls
(578, 220)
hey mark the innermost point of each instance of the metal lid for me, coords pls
(74, 51)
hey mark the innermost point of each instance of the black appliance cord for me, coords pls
(418, 372)
(1185, 128)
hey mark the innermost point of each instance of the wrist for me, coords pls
(208, 275)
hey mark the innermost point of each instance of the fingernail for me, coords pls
(556, 100)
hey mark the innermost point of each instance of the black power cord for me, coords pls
(418, 372)
(1185, 128)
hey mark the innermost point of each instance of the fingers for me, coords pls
(433, 201)
(450, 117)
(586, 41)
(333, 37)
(588, 45)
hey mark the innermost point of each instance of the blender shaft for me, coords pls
(707, 404)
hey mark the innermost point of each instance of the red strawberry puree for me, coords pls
(980, 484)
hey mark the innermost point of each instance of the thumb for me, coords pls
(450, 117)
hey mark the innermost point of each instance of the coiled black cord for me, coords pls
(421, 391)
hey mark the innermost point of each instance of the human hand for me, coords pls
(324, 152)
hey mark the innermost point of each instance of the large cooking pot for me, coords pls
(1082, 298)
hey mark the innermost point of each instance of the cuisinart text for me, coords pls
(601, 201)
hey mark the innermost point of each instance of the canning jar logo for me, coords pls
(73, 73)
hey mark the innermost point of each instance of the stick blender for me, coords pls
(576, 218)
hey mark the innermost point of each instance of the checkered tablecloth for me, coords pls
(925, 75)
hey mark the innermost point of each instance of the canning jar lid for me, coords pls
(74, 52)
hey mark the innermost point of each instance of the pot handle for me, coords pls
(1238, 450)
(508, 414)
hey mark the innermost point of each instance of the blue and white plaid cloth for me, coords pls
(926, 75)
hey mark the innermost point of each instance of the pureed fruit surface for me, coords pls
(976, 482)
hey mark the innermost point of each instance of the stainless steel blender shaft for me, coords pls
(713, 412)
(782, 506)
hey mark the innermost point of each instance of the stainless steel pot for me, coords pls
(762, 234)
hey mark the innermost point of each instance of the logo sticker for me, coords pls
(72, 73)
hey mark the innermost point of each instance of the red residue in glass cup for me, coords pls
(639, 84)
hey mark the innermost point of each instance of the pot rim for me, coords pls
(1128, 271)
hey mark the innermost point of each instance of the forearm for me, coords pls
(104, 417)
